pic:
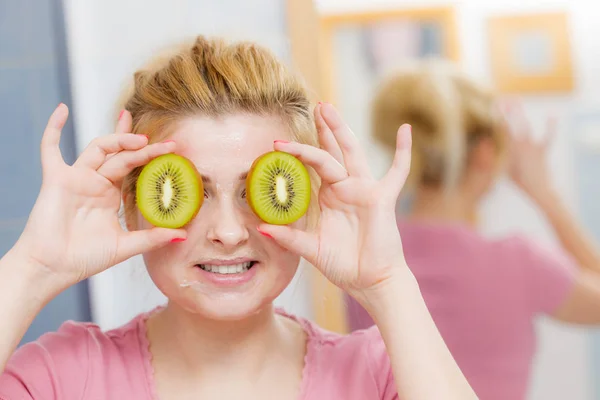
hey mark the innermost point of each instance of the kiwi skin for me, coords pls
(198, 187)
(255, 168)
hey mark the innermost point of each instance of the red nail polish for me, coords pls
(147, 137)
(169, 141)
(281, 141)
(320, 103)
(264, 233)
(177, 240)
(121, 114)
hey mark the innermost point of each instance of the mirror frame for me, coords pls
(311, 44)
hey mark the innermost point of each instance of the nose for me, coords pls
(227, 228)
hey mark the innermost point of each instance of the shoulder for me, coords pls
(532, 254)
(64, 361)
(67, 348)
(80, 340)
(354, 365)
(546, 272)
(418, 237)
(365, 345)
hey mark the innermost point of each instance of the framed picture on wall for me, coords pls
(531, 53)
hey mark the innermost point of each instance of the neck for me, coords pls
(459, 206)
(196, 344)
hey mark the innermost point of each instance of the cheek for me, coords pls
(158, 264)
(164, 265)
(163, 269)
(286, 262)
(282, 263)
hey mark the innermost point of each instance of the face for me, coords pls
(225, 269)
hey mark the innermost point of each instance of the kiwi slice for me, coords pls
(278, 188)
(169, 191)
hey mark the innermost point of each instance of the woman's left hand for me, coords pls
(356, 244)
(527, 162)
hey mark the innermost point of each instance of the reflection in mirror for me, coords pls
(363, 53)
(499, 340)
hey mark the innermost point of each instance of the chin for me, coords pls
(226, 290)
(225, 308)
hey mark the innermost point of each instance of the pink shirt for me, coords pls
(484, 295)
(79, 361)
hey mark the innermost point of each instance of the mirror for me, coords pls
(522, 53)
(362, 48)
(354, 50)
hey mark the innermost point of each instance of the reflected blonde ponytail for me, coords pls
(446, 110)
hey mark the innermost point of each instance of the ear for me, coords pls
(483, 155)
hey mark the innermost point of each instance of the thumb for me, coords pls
(142, 241)
(302, 243)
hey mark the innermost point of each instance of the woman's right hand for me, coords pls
(74, 230)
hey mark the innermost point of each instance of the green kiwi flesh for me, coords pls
(169, 191)
(278, 188)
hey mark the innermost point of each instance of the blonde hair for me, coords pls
(212, 78)
(448, 111)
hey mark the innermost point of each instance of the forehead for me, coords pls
(227, 141)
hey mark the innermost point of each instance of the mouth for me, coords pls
(227, 269)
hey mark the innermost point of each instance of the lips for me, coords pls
(227, 269)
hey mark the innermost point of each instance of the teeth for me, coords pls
(226, 269)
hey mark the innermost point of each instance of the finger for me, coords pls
(118, 166)
(124, 122)
(138, 242)
(50, 144)
(97, 151)
(328, 168)
(354, 159)
(124, 125)
(396, 176)
(302, 243)
(326, 138)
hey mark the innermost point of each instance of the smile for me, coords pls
(227, 269)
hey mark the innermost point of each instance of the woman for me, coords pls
(483, 294)
(212, 102)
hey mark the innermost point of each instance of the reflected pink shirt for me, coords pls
(484, 296)
(79, 361)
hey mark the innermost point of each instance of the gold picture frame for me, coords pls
(530, 53)
(312, 45)
(443, 16)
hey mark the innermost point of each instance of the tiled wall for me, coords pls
(33, 80)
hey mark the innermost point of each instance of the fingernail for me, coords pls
(169, 141)
(177, 240)
(320, 103)
(121, 114)
(281, 141)
(264, 233)
(147, 137)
